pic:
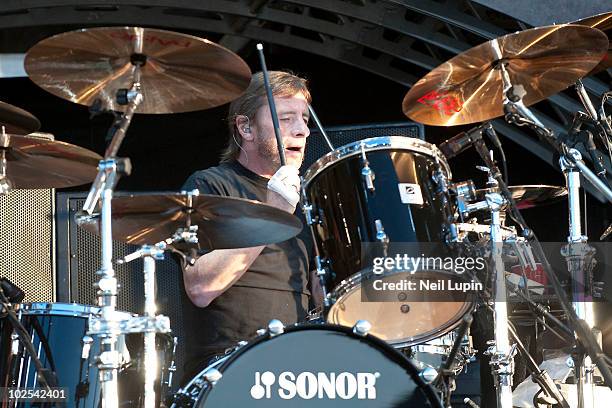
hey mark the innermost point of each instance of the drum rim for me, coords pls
(222, 364)
(353, 283)
(373, 144)
(61, 309)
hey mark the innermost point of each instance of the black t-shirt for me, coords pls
(274, 287)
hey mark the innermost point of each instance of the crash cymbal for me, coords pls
(40, 162)
(223, 222)
(16, 121)
(601, 22)
(529, 196)
(469, 88)
(181, 72)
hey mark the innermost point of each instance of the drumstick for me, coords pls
(279, 141)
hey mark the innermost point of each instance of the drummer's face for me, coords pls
(293, 121)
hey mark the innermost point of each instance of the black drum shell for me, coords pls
(345, 210)
(318, 348)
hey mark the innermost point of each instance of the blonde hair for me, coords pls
(283, 84)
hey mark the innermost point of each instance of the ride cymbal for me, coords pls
(601, 22)
(223, 222)
(38, 162)
(469, 88)
(179, 72)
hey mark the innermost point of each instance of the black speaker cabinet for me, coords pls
(27, 242)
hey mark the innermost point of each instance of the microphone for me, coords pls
(458, 143)
(490, 131)
(11, 291)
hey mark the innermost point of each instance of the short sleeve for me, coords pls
(199, 181)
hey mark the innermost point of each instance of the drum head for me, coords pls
(318, 366)
(421, 317)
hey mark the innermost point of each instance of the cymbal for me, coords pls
(16, 120)
(531, 195)
(37, 162)
(223, 222)
(468, 88)
(601, 22)
(181, 73)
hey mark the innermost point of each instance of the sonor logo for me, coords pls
(308, 385)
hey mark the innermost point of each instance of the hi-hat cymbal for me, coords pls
(601, 22)
(180, 72)
(529, 196)
(17, 121)
(223, 222)
(37, 162)
(469, 88)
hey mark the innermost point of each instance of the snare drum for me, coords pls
(313, 365)
(382, 190)
(59, 333)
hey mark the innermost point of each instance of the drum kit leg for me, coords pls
(371, 206)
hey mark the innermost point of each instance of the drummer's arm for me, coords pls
(215, 272)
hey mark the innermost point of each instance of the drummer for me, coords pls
(231, 293)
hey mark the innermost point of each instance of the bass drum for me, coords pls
(59, 332)
(310, 366)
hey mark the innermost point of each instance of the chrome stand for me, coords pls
(577, 253)
(584, 98)
(154, 323)
(502, 363)
(502, 354)
(109, 325)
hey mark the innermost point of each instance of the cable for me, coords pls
(46, 377)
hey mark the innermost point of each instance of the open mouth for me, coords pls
(294, 149)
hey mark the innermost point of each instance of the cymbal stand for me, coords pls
(502, 354)
(151, 324)
(109, 324)
(577, 253)
(502, 362)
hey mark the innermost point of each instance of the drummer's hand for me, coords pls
(283, 189)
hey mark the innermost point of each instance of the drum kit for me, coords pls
(371, 199)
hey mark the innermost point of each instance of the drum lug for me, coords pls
(307, 209)
(381, 235)
(212, 375)
(14, 343)
(366, 171)
(321, 265)
(87, 340)
(275, 327)
(362, 328)
(439, 179)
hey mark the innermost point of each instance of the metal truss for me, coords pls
(400, 40)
